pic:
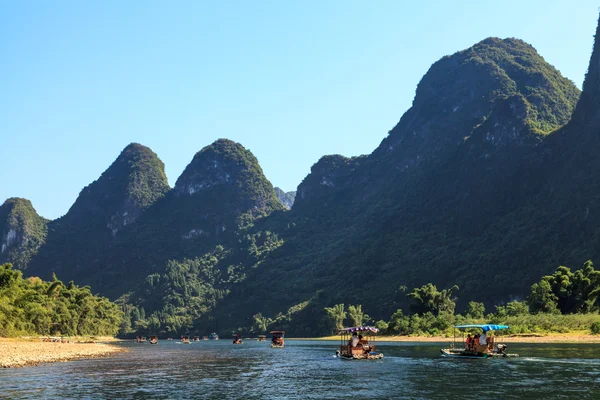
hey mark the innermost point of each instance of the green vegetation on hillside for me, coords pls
(32, 306)
(180, 300)
(563, 302)
(550, 96)
(22, 232)
(473, 187)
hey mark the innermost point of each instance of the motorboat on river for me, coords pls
(277, 341)
(480, 345)
(153, 339)
(358, 343)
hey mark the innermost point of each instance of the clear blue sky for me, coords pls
(290, 80)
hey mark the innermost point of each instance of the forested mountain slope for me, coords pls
(78, 242)
(485, 182)
(451, 196)
(22, 232)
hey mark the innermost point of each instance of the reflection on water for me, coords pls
(308, 370)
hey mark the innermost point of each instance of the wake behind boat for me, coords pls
(480, 346)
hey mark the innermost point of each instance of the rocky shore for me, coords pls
(22, 353)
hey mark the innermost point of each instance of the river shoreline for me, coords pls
(23, 352)
(533, 338)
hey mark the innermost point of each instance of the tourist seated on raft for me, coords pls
(354, 340)
(481, 344)
(364, 343)
(490, 343)
(277, 340)
(469, 343)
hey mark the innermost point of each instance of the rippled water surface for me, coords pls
(308, 370)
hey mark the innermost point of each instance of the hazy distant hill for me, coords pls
(285, 198)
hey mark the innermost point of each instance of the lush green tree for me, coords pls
(569, 292)
(336, 316)
(382, 326)
(32, 306)
(356, 315)
(475, 310)
(512, 309)
(261, 323)
(428, 299)
(542, 299)
(515, 308)
(399, 322)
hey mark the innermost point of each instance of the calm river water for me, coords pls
(308, 370)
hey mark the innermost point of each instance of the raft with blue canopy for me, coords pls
(476, 349)
(485, 327)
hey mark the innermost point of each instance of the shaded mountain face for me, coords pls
(226, 172)
(132, 183)
(128, 224)
(588, 109)
(480, 184)
(462, 91)
(22, 232)
(487, 100)
(454, 187)
(222, 190)
(285, 198)
(82, 237)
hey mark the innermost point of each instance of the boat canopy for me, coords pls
(360, 329)
(485, 327)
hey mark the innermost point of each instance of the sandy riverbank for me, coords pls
(575, 337)
(21, 352)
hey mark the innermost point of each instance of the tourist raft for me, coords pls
(358, 343)
(480, 346)
(277, 341)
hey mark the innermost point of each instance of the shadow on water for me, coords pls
(309, 370)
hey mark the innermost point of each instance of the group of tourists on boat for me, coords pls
(355, 346)
(481, 345)
(479, 342)
(277, 339)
